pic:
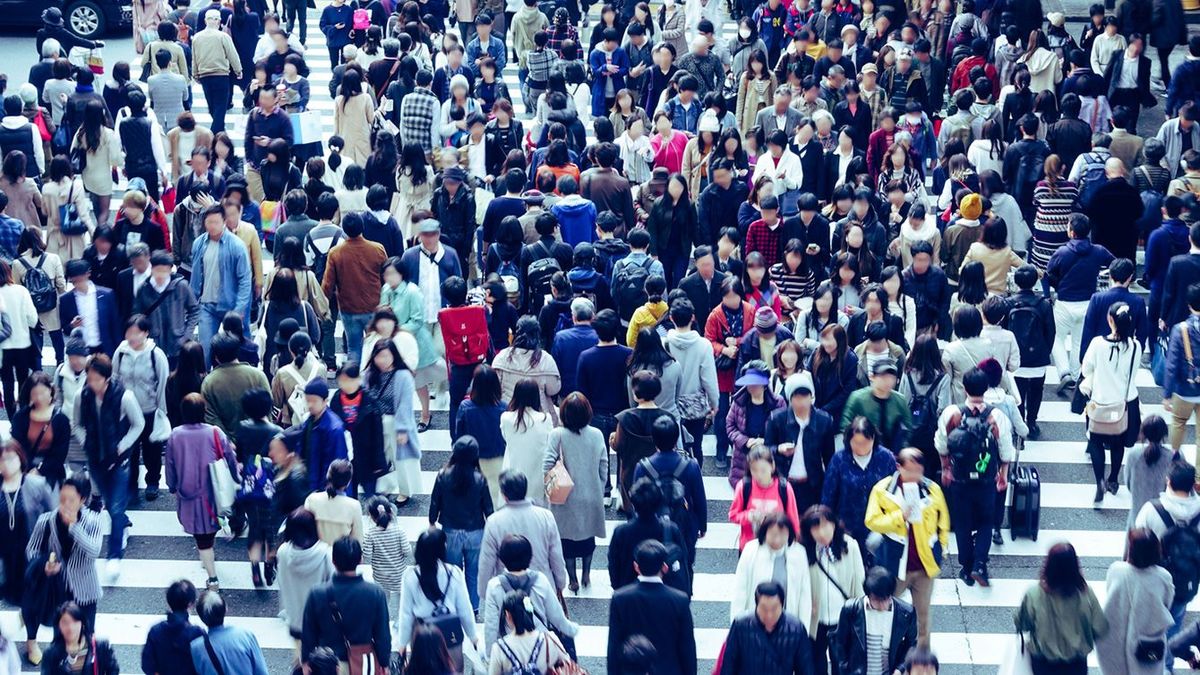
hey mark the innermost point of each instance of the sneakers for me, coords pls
(112, 569)
(33, 653)
(1065, 383)
(980, 575)
(966, 577)
(151, 492)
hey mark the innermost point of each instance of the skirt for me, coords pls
(434, 373)
(578, 548)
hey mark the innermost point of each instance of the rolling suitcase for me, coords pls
(1024, 510)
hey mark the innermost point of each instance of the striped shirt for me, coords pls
(1052, 208)
(79, 571)
(389, 554)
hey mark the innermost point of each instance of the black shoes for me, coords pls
(269, 570)
(980, 575)
(1099, 496)
(1112, 487)
(997, 537)
(256, 575)
(1035, 432)
(966, 577)
(723, 463)
(151, 492)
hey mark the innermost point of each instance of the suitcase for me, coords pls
(1025, 508)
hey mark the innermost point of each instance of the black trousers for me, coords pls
(719, 423)
(1096, 446)
(1031, 390)
(824, 660)
(144, 450)
(14, 370)
(973, 517)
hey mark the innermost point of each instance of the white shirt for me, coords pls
(85, 304)
(477, 158)
(430, 282)
(141, 278)
(799, 472)
(1128, 74)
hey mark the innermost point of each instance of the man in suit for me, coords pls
(1182, 272)
(130, 279)
(781, 116)
(91, 307)
(854, 636)
(654, 610)
(703, 286)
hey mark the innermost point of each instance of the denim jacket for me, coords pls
(236, 283)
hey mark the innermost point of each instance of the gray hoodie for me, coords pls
(143, 372)
(698, 381)
(300, 571)
(173, 321)
(1182, 509)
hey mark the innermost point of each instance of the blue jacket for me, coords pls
(236, 285)
(484, 424)
(597, 62)
(684, 119)
(771, 25)
(1096, 321)
(1164, 243)
(1180, 375)
(568, 346)
(168, 645)
(319, 447)
(111, 332)
(1184, 87)
(448, 266)
(495, 49)
(693, 490)
(587, 281)
(847, 486)
(576, 219)
(1074, 269)
(236, 648)
(330, 17)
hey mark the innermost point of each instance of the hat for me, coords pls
(905, 53)
(533, 197)
(584, 251)
(849, 27)
(709, 122)
(971, 207)
(428, 226)
(884, 366)
(284, 332)
(53, 16)
(78, 268)
(870, 68)
(753, 377)
(765, 319)
(454, 173)
(1056, 19)
(798, 383)
(75, 344)
(317, 387)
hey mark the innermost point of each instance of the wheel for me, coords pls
(85, 19)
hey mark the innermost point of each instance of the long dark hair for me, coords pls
(284, 290)
(925, 359)
(812, 518)
(413, 164)
(485, 387)
(430, 554)
(1060, 571)
(427, 652)
(528, 335)
(374, 376)
(527, 396)
(463, 465)
(649, 354)
(835, 293)
(190, 369)
(821, 360)
(972, 283)
(1154, 430)
(72, 610)
(93, 125)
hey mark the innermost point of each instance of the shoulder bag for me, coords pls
(1111, 419)
(224, 487)
(558, 481)
(361, 658)
(42, 593)
(212, 656)
(449, 624)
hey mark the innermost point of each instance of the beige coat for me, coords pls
(693, 162)
(24, 203)
(53, 267)
(204, 138)
(55, 195)
(749, 102)
(178, 62)
(352, 121)
(512, 365)
(996, 263)
(97, 175)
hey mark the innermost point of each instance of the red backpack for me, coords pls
(465, 332)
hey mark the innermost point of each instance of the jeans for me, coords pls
(460, 381)
(151, 453)
(354, 325)
(824, 660)
(299, 12)
(972, 515)
(217, 90)
(719, 423)
(113, 487)
(210, 322)
(696, 446)
(462, 549)
(1068, 325)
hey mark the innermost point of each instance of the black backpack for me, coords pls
(679, 571)
(37, 282)
(748, 487)
(1025, 322)
(537, 277)
(924, 411)
(1091, 178)
(1029, 171)
(629, 287)
(675, 505)
(1181, 553)
(973, 449)
(317, 263)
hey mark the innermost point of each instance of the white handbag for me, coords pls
(1016, 659)
(224, 487)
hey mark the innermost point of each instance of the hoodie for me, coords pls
(586, 281)
(1182, 509)
(608, 252)
(300, 570)
(168, 645)
(143, 372)
(1074, 269)
(576, 219)
(698, 392)
(1165, 242)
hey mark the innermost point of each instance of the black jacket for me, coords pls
(370, 458)
(816, 232)
(660, 613)
(935, 84)
(717, 208)
(104, 272)
(457, 217)
(1034, 300)
(750, 649)
(702, 300)
(386, 233)
(1069, 138)
(931, 294)
(459, 511)
(1113, 75)
(627, 537)
(168, 645)
(101, 660)
(851, 640)
(52, 463)
(812, 161)
(856, 330)
(1183, 271)
(818, 444)
(859, 123)
(364, 613)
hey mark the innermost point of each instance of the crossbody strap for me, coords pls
(825, 571)
(1187, 343)
(212, 655)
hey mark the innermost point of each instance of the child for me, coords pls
(257, 487)
(460, 135)
(387, 551)
(334, 163)
(649, 314)
(359, 413)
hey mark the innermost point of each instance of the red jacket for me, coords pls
(961, 79)
(761, 499)
(716, 328)
(877, 146)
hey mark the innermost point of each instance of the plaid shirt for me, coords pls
(541, 63)
(560, 33)
(876, 102)
(766, 241)
(418, 111)
(10, 235)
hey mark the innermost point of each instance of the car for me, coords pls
(90, 19)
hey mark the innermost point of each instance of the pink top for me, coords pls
(669, 154)
(764, 499)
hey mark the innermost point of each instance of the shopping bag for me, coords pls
(1016, 658)
(95, 61)
(224, 487)
(306, 127)
(272, 214)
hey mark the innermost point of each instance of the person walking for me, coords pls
(168, 644)
(767, 640)
(1138, 599)
(521, 516)
(27, 496)
(304, 563)
(651, 608)
(461, 502)
(214, 58)
(836, 568)
(337, 514)
(432, 587)
(221, 277)
(1108, 379)
(224, 647)
(348, 611)
(582, 451)
(776, 539)
(526, 428)
(75, 637)
(1147, 466)
(1061, 616)
(352, 281)
(143, 368)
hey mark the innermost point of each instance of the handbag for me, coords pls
(1158, 360)
(558, 481)
(1150, 651)
(224, 487)
(1109, 419)
(42, 593)
(39, 121)
(450, 626)
(361, 658)
(69, 219)
(1016, 660)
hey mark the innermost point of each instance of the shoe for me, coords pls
(401, 503)
(125, 537)
(213, 584)
(980, 575)
(586, 581)
(112, 570)
(33, 653)
(1064, 383)
(723, 463)
(1112, 486)
(151, 492)
(422, 427)
(966, 577)
(573, 587)
(997, 537)
(256, 575)
(1035, 432)
(269, 573)
(1099, 496)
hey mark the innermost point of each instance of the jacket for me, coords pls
(749, 648)
(143, 372)
(576, 219)
(52, 463)
(535, 524)
(850, 644)
(664, 462)
(1171, 134)
(931, 293)
(366, 434)
(608, 190)
(106, 313)
(1137, 607)
(1045, 310)
(757, 564)
(698, 392)
(891, 417)
(236, 276)
(168, 645)
(1060, 628)
(1183, 86)
(353, 275)
(885, 515)
(661, 614)
(79, 569)
(598, 62)
(1074, 269)
(1180, 372)
(457, 215)
(1095, 323)
(627, 536)
(174, 319)
(742, 510)
(1114, 205)
(456, 511)
(547, 610)
(894, 351)
(102, 660)
(818, 446)
(1182, 272)
(735, 428)
(749, 348)
(364, 617)
(848, 486)
(831, 387)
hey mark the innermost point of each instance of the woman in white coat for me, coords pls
(776, 555)
(526, 359)
(19, 354)
(1137, 607)
(836, 574)
(526, 427)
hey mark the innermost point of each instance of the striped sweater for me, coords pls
(389, 554)
(80, 568)
(1052, 207)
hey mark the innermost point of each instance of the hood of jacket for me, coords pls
(1181, 508)
(1080, 247)
(983, 110)
(680, 343)
(311, 562)
(572, 206)
(584, 279)
(1041, 61)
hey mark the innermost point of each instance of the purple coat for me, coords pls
(735, 423)
(190, 449)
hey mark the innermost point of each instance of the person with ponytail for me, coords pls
(337, 515)
(1148, 465)
(524, 645)
(302, 368)
(387, 550)
(461, 501)
(1108, 378)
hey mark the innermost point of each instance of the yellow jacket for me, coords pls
(646, 316)
(885, 515)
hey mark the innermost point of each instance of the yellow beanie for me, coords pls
(971, 207)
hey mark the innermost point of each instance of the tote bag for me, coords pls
(1016, 658)
(224, 487)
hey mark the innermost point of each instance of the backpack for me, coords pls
(748, 487)
(629, 288)
(565, 321)
(1091, 179)
(1026, 325)
(70, 221)
(519, 667)
(973, 449)
(1029, 171)
(537, 277)
(674, 504)
(361, 19)
(924, 411)
(465, 333)
(508, 270)
(679, 573)
(574, 72)
(37, 282)
(317, 259)
(1181, 553)
(295, 400)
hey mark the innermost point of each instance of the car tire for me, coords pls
(85, 19)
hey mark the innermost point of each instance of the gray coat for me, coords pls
(535, 524)
(174, 321)
(586, 459)
(1136, 606)
(1172, 137)
(37, 497)
(1145, 481)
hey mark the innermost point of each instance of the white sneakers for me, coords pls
(112, 570)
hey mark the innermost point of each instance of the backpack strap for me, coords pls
(212, 655)
(1167, 519)
(746, 488)
(783, 489)
(648, 467)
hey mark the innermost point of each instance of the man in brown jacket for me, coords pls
(609, 190)
(353, 279)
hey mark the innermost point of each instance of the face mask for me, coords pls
(744, 33)
(913, 118)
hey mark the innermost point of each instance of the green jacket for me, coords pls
(222, 390)
(891, 417)
(409, 305)
(1060, 628)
